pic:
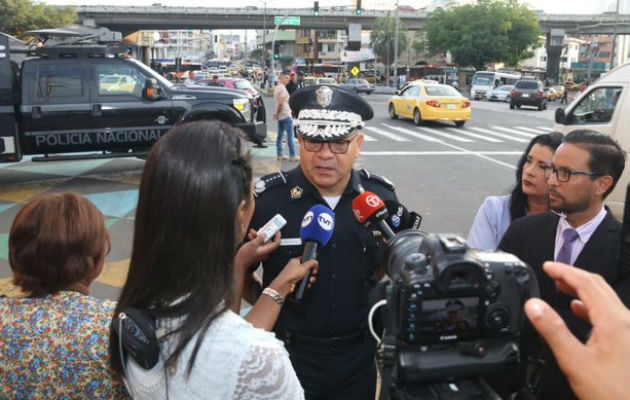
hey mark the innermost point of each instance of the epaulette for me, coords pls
(268, 181)
(365, 174)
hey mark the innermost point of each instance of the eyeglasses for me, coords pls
(564, 174)
(336, 147)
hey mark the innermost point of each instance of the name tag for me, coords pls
(291, 242)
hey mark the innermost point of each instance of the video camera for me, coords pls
(452, 313)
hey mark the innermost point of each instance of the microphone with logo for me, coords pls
(370, 210)
(317, 229)
(400, 218)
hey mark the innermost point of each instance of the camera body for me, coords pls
(452, 312)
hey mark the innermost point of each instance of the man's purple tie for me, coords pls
(564, 255)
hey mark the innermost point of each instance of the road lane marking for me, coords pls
(388, 135)
(514, 131)
(475, 135)
(415, 134)
(537, 131)
(447, 135)
(501, 135)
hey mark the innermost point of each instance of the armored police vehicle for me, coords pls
(77, 94)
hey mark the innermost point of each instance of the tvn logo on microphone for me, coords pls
(324, 220)
(373, 201)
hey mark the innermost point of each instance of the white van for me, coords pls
(604, 107)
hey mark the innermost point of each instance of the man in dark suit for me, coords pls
(580, 231)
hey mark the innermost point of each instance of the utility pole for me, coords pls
(396, 49)
(614, 39)
(264, 35)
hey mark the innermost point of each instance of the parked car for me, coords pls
(311, 80)
(240, 84)
(501, 93)
(425, 100)
(359, 85)
(528, 92)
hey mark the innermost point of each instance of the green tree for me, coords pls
(489, 31)
(382, 40)
(258, 55)
(19, 16)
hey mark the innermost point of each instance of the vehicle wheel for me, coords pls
(417, 117)
(459, 124)
(545, 106)
(511, 106)
(392, 112)
(518, 106)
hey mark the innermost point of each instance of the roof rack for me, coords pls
(79, 36)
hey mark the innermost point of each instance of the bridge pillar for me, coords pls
(554, 51)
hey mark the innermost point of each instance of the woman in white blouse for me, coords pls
(195, 204)
(530, 194)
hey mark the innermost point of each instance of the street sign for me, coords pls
(355, 71)
(288, 20)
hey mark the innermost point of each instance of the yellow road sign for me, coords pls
(355, 71)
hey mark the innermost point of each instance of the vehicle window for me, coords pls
(61, 84)
(412, 91)
(438, 90)
(598, 106)
(242, 85)
(118, 79)
(526, 85)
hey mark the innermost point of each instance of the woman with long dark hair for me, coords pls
(530, 194)
(195, 204)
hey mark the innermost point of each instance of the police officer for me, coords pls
(326, 332)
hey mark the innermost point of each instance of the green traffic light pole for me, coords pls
(273, 47)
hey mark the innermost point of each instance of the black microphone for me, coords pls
(317, 229)
(400, 218)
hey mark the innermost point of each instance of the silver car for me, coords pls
(359, 85)
(501, 93)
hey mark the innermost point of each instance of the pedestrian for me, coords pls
(580, 231)
(285, 121)
(215, 81)
(292, 86)
(54, 337)
(565, 93)
(530, 194)
(195, 203)
(190, 80)
(326, 332)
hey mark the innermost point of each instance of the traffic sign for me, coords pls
(355, 71)
(288, 20)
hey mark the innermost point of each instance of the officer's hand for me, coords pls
(255, 250)
(293, 273)
(599, 369)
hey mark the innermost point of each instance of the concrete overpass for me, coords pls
(134, 18)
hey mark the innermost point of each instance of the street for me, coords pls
(440, 171)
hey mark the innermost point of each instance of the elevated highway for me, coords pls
(133, 18)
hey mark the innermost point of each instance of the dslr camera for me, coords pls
(452, 313)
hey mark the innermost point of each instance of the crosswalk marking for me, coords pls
(544, 128)
(447, 135)
(532, 130)
(501, 135)
(369, 138)
(388, 135)
(415, 134)
(514, 131)
(475, 135)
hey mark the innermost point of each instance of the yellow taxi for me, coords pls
(426, 100)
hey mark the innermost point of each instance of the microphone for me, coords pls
(317, 229)
(400, 218)
(370, 210)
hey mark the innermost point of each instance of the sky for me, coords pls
(548, 6)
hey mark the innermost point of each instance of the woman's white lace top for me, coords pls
(235, 362)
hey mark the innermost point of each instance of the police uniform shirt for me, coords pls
(337, 304)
